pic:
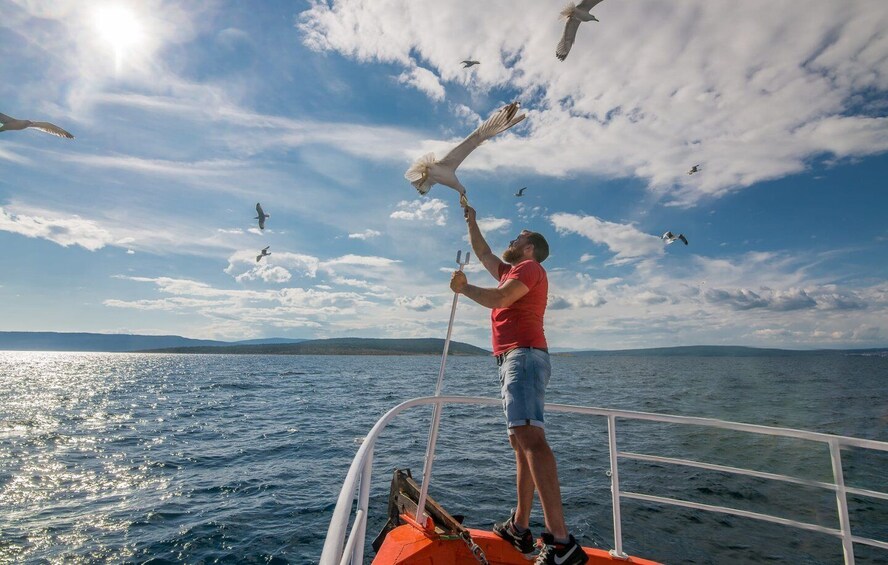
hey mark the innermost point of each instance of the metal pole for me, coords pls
(617, 551)
(436, 412)
(363, 504)
(842, 502)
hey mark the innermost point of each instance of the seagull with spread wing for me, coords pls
(426, 171)
(521, 191)
(468, 63)
(264, 253)
(670, 237)
(9, 124)
(575, 14)
(694, 169)
(261, 217)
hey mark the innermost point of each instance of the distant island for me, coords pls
(724, 351)
(131, 343)
(110, 343)
(341, 346)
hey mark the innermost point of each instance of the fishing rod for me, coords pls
(436, 413)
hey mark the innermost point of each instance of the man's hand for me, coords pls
(458, 281)
(469, 213)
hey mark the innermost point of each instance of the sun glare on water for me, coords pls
(119, 27)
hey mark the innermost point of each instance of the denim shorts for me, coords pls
(524, 375)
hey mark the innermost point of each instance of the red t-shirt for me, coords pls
(521, 324)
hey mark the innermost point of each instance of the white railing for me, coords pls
(341, 551)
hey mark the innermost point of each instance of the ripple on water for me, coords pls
(197, 458)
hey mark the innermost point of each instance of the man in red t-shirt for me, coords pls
(518, 305)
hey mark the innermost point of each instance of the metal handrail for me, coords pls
(339, 551)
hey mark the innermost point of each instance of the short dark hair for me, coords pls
(540, 246)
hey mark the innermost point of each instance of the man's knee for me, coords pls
(528, 438)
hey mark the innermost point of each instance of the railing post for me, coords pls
(842, 502)
(617, 551)
(363, 504)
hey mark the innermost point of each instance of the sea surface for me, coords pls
(153, 458)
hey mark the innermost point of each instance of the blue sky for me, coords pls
(187, 114)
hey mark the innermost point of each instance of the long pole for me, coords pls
(436, 412)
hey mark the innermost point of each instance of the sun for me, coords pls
(118, 26)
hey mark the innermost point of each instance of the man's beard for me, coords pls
(512, 256)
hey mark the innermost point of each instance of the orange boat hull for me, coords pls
(407, 545)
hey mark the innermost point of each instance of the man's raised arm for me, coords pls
(482, 251)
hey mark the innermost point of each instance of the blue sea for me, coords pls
(152, 458)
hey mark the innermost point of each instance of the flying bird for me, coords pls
(261, 217)
(468, 63)
(575, 14)
(521, 191)
(265, 253)
(670, 237)
(16, 124)
(425, 172)
(694, 169)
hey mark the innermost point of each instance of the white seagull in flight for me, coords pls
(15, 124)
(426, 171)
(575, 14)
(670, 237)
(265, 253)
(261, 217)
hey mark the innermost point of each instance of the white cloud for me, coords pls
(709, 84)
(358, 283)
(72, 230)
(625, 240)
(423, 80)
(364, 235)
(492, 224)
(242, 265)
(425, 210)
(360, 261)
(267, 273)
(417, 303)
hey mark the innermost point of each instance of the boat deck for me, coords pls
(407, 545)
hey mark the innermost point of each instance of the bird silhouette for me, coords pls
(575, 14)
(694, 169)
(670, 237)
(264, 253)
(468, 63)
(521, 191)
(261, 217)
(10, 124)
(426, 171)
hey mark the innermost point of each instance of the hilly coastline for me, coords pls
(132, 343)
(341, 346)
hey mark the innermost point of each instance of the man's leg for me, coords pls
(540, 461)
(524, 480)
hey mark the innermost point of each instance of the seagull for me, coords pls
(15, 124)
(425, 172)
(521, 191)
(468, 63)
(670, 237)
(261, 217)
(694, 169)
(575, 14)
(265, 253)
